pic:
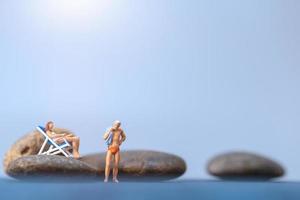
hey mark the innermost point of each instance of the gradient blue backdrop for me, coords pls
(194, 78)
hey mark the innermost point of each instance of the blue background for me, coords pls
(194, 78)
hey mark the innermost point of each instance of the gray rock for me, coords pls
(50, 167)
(29, 144)
(141, 165)
(241, 165)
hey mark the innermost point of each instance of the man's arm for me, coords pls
(123, 135)
(106, 134)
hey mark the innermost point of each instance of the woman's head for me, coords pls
(49, 126)
(116, 124)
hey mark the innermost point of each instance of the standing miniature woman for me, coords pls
(74, 140)
(114, 137)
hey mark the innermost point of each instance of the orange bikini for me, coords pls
(113, 149)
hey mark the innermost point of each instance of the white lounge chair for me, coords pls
(54, 147)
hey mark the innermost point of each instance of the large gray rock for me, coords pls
(49, 167)
(29, 144)
(241, 165)
(141, 165)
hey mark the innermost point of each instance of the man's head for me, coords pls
(116, 124)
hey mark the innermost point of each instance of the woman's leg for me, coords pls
(116, 167)
(75, 144)
(107, 165)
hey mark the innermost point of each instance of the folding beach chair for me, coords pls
(54, 147)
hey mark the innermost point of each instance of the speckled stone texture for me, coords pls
(29, 144)
(141, 164)
(244, 165)
(43, 166)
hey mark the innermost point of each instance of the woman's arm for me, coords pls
(55, 135)
(49, 134)
(60, 135)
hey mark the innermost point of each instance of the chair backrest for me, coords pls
(42, 128)
(43, 131)
(50, 141)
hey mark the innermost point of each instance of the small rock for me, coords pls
(49, 167)
(29, 144)
(241, 165)
(140, 165)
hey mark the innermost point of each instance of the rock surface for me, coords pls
(141, 164)
(37, 166)
(29, 144)
(241, 165)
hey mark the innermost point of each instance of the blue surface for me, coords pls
(208, 190)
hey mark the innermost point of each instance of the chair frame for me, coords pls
(54, 148)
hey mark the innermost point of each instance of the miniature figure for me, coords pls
(114, 137)
(73, 139)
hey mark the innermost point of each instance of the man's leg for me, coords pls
(116, 167)
(107, 165)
